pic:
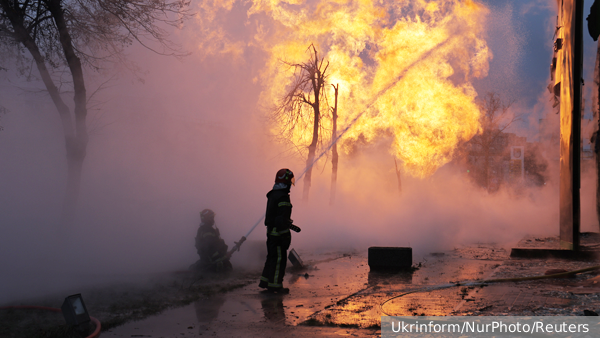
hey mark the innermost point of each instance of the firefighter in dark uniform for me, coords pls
(279, 223)
(210, 246)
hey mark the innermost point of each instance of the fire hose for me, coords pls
(484, 283)
(239, 243)
(94, 334)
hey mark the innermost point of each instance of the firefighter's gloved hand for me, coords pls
(295, 228)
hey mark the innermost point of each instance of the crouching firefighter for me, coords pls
(210, 246)
(278, 222)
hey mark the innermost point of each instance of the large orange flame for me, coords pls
(409, 63)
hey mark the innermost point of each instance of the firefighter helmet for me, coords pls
(285, 176)
(207, 216)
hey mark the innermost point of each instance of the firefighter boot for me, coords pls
(279, 290)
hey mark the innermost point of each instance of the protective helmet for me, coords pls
(207, 215)
(285, 176)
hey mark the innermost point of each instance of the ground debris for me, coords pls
(343, 295)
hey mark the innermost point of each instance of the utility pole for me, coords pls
(597, 133)
(569, 44)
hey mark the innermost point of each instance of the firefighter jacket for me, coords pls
(209, 244)
(279, 211)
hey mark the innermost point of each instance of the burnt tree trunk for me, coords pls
(313, 144)
(398, 176)
(334, 152)
(317, 78)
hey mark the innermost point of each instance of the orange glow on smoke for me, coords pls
(409, 62)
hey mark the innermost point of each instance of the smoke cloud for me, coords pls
(195, 134)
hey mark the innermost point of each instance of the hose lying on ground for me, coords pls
(94, 334)
(485, 282)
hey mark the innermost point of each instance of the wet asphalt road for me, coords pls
(338, 296)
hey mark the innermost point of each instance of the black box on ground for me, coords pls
(390, 258)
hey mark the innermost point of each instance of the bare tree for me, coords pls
(77, 34)
(303, 103)
(494, 120)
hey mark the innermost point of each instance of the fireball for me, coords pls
(404, 68)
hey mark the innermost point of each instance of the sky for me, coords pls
(192, 133)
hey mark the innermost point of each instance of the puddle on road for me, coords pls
(364, 309)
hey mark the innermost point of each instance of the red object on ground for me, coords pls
(94, 334)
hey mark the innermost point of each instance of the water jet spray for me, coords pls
(368, 106)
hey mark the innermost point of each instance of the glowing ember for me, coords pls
(411, 62)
